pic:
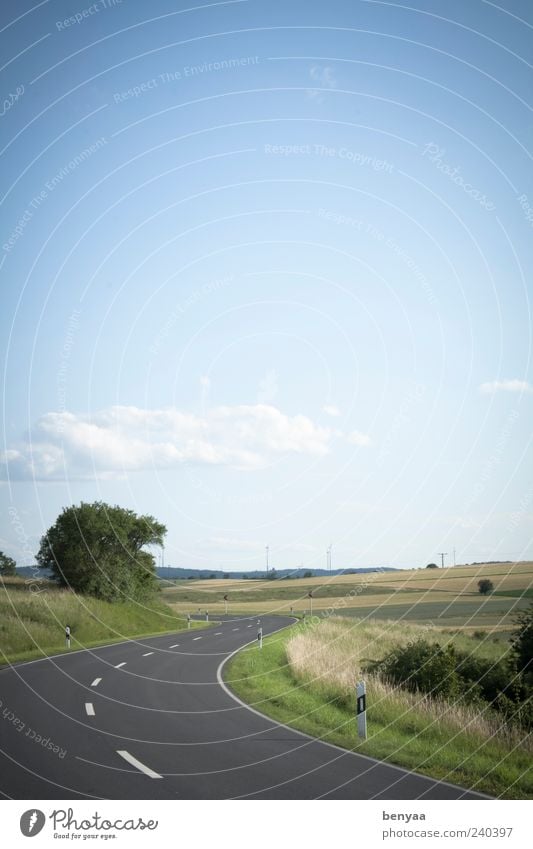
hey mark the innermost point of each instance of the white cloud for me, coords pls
(205, 382)
(331, 410)
(358, 438)
(124, 439)
(505, 386)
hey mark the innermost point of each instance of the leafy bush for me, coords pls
(454, 675)
(522, 643)
(8, 567)
(422, 666)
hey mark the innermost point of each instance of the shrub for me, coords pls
(422, 666)
(522, 643)
(453, 675)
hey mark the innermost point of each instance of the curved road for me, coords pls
(150, 719)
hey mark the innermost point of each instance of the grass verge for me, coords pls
(32, 624)
(310, 687)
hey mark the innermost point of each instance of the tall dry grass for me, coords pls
(332, 656)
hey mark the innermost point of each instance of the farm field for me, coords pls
(440, 596)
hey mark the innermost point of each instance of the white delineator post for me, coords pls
(188, 621)
(260, 638)
(360, 692)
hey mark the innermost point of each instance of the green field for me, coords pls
(305, 677)
(32, 624)
(440, 596)
(479, 611)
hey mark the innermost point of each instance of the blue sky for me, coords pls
(266, 275)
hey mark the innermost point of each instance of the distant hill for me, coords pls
(32, 572)
(176, 573)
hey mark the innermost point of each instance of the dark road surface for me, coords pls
(149, 719)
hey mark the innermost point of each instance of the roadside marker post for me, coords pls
(360, 693)
(226, 605)
(260, 638)
(188, 621)
(207, 616)
(67, 635)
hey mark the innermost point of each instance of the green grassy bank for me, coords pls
(32, 623)
(305, 678)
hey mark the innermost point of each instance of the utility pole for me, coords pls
(267, 549)
(442, 555)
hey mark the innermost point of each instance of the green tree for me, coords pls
(432, 566)
(8, 567)
(99, 550)
(307, 574)
(485, 586)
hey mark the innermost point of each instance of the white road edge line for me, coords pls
(96, 682)
(239, 701)
(148, 653)
(89, 707)
(120, 664)
(196, 638)
(137, 764)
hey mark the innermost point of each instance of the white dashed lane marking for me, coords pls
(218, 633)
(175, 646)
(96, 682)
(234, 629)
(148, 653)
(196, 638)
(89, 708)
(137, 764)
(120, 664)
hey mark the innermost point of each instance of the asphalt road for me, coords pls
(149, 719)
